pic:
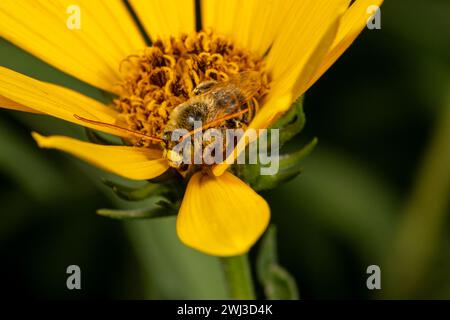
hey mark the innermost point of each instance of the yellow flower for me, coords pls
(298, 40)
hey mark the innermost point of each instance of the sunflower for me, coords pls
(291, 43)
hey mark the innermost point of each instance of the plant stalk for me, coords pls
(238, 277)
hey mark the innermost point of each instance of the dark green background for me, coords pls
(373, 192)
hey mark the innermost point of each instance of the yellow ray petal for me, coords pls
(129, 162)
(162, 19)
(220, 15)
(92, 53)
(221, 216)
(253, 24)
(264, 21)
(12, 105)
(352, 23)
(302, 30)
(303, 76)
(27, 94)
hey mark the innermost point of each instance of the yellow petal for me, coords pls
(299, 36)
(253, 24)
(129, 162)
(313, 62)
(12, 105)
(352, 23)
(221, 216)
(92, 53)
(219, 15)
(26, 93)
(163, 19)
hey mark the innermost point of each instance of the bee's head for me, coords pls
(184, 117)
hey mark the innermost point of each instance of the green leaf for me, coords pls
(145, 213)
(278, 284)
(267, 255)
(281, 285)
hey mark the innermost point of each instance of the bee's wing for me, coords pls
(225, 99)
(247, 83)
(232, 94)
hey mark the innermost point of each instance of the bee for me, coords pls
(229, 104)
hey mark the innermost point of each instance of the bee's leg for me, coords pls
(252, 106)
(204, 87)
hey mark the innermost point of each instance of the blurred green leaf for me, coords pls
(281, 285)
(267, 255)
(277, 282)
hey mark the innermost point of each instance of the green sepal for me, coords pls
(278, 284)
(289, 167)
(167, 200)
(292, 123)
(138, 193)
(144, 213)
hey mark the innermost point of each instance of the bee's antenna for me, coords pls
(109, 125)
(215, 122)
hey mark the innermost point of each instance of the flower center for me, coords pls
(165, 75)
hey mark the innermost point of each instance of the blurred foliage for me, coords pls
(375, 113)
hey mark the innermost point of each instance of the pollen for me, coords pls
(165, 74)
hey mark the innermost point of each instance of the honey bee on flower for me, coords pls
(282, 46)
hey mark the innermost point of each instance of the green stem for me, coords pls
(238, 277)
